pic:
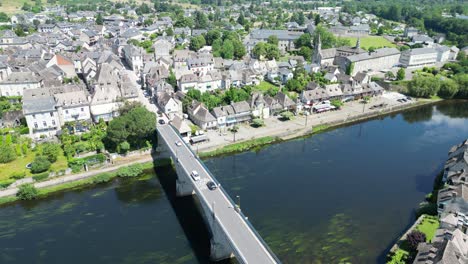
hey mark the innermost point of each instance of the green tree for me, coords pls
(200, 21)
(258, 122)
(305, 52)
(305, 40)
(197, 43)
(423, 86)
(51, 151)
(272, 52)
(337, 103)
(124, 147)
(27, 192)
(286, 115)
(40, 164)
(328, 39)
(228, 49)
(7, 153)
(317, 19)
(273, 40)
(259, 50)
(239, 49)
(211, 36)
(401, 74)
(99, 20)
(448, 88)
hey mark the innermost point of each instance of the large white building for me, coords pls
(17, 82)
(380, 59)
(418, 57)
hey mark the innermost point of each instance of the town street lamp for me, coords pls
(238, 203)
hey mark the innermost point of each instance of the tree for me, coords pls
(380, 31)
(272, 52)
(211, 36)
(448, 88)
(389, 75)
(4, 17)
(317, 19)
(328, 39)
(135, 127)
(294, 85)
(200, 21)
(51, 151)
(259, 50)
(124, 147)
(305, 52)
(241, 19)
(147, 22)
(258, 122)
(171, 79)
(197, 43)
(273, 40)
(234, 131)
(239, 49)
(305, 40)
(7, 153)
(40, 164)
(228, 49)
(423, 86)
(414, 238)
(27, 192)
(99, 20)
(286, 115)
(401, 74)
(337, 103)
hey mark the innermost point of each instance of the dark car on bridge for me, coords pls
(211, 185)
(161, 122)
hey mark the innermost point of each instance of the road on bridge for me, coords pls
(245, 242)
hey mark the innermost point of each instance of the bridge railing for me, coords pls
(249, 224)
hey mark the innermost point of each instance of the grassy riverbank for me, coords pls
(240, 146)
(95, 179)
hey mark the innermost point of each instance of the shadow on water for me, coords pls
(189, 216)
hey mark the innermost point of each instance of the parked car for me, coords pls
(211, 185)
(161, 122)
(28, 166)
(195, 175)
(347, 99)
(178, 143)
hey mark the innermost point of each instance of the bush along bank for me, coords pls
(29, 192)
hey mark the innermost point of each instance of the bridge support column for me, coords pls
(184, 186)
(219, 249)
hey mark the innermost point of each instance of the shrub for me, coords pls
(41, 176)
(27, 192)
(414, 238)
(40, 164)
(76, 164)
(51, 151)
(130, 171)
(102, 178)
(24, 130)
(7, 154)
(18, 175)
(6, 183)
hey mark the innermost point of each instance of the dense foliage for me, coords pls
(27, 192)
(130, 171)
(40, 164)
(137, 127)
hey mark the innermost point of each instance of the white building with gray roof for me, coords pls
(40, 113)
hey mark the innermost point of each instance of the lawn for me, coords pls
(13, 6)
(265, 86)
(428, 226)
(19, 165)
(371, 41)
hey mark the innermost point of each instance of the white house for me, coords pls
(72, 106)
(40, 113)
(17, 82)
(134, 57)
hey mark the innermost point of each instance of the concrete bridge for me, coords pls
(231, 233)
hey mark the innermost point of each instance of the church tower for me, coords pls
(358, 43)
(317, 54)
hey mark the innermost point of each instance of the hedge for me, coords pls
(130, 171)
(41, 176)
(6, 183)
(76, 164)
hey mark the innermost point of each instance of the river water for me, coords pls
(343, 195)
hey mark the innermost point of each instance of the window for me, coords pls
(44, 123)
(35, 125)
(82, 109)
(66, 111)
(34, 116)
(51, 113)
(53, 122)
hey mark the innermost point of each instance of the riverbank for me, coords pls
(320, 125)
(79, 180)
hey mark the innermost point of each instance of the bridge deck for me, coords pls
(248, 247)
